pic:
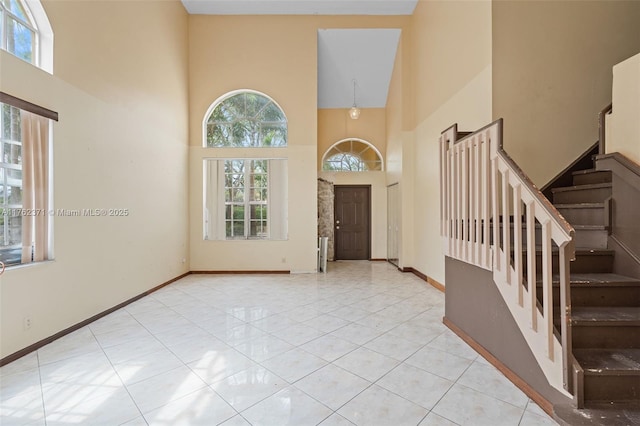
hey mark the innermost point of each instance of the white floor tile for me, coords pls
(530, 419)
(416, 385)
(248, 387)
(490, 381)
(217, 365)
(112, 408)
(393, 346)
(332, 386)
(147, 365)
(356, 333)
(290, 406)
(202, 407)
(367, 364)
(440, 363)
(263, 348)
(466, 406)
(159, 390)
(451, 343)
(294, 364)
(433, 419)
(329, 347)
(377, 406)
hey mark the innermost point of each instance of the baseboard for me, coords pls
(22, 352)
(377, 260)
(239, 272)
(513, 377)
(435, 284)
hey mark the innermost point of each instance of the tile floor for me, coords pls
(363, 344)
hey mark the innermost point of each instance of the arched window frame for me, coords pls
(369, 144)
(36, 21)
(229, 95)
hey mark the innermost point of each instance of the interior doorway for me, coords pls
(352, 222)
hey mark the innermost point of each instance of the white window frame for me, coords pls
(328, 154)
(215, 200)
(231, 94)
(9, 210)
(38, 23)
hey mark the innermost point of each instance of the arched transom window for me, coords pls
(18, 30)
(25, 32)
(246, 119)
(352, 155)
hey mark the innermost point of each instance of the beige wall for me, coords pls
(275, 55)
(552, 75)
(121, 142)
(442, 76)
(624, 123)
(335, 125)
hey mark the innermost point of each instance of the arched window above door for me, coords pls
(352, 155)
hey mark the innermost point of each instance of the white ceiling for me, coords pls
(300, 7)
(366, 55)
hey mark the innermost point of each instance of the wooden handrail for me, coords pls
(602, 127)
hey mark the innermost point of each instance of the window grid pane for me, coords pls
(10, 185)
(246, 120)
(20, 40)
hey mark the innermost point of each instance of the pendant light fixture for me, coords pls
(354, 112)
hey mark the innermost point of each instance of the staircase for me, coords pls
(605, 318)
(581, 319)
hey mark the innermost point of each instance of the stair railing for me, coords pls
(483, 195)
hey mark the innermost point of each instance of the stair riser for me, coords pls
(606, 337)
(607, 296)
(583, 216)
(614, 296)
(594, 177)
(591, 238)
(611, 388)
(594, 195)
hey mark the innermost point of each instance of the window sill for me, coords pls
(27, 265)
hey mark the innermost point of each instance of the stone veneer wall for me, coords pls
(325, 214)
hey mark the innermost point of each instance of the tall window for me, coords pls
(245, 197)
(246, 119)
(352, 155)
(246, 194)
(24, 186)
(18, 30)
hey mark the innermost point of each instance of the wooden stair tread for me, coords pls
(602, 278)
(589, 171)
(582, 187)
(590, 228)
(580, 251)
(609, 361)
(579, 206)
(596, 280)
(607, 316)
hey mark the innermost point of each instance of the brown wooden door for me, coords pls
(352, 222)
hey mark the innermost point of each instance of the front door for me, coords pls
(352, 222)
